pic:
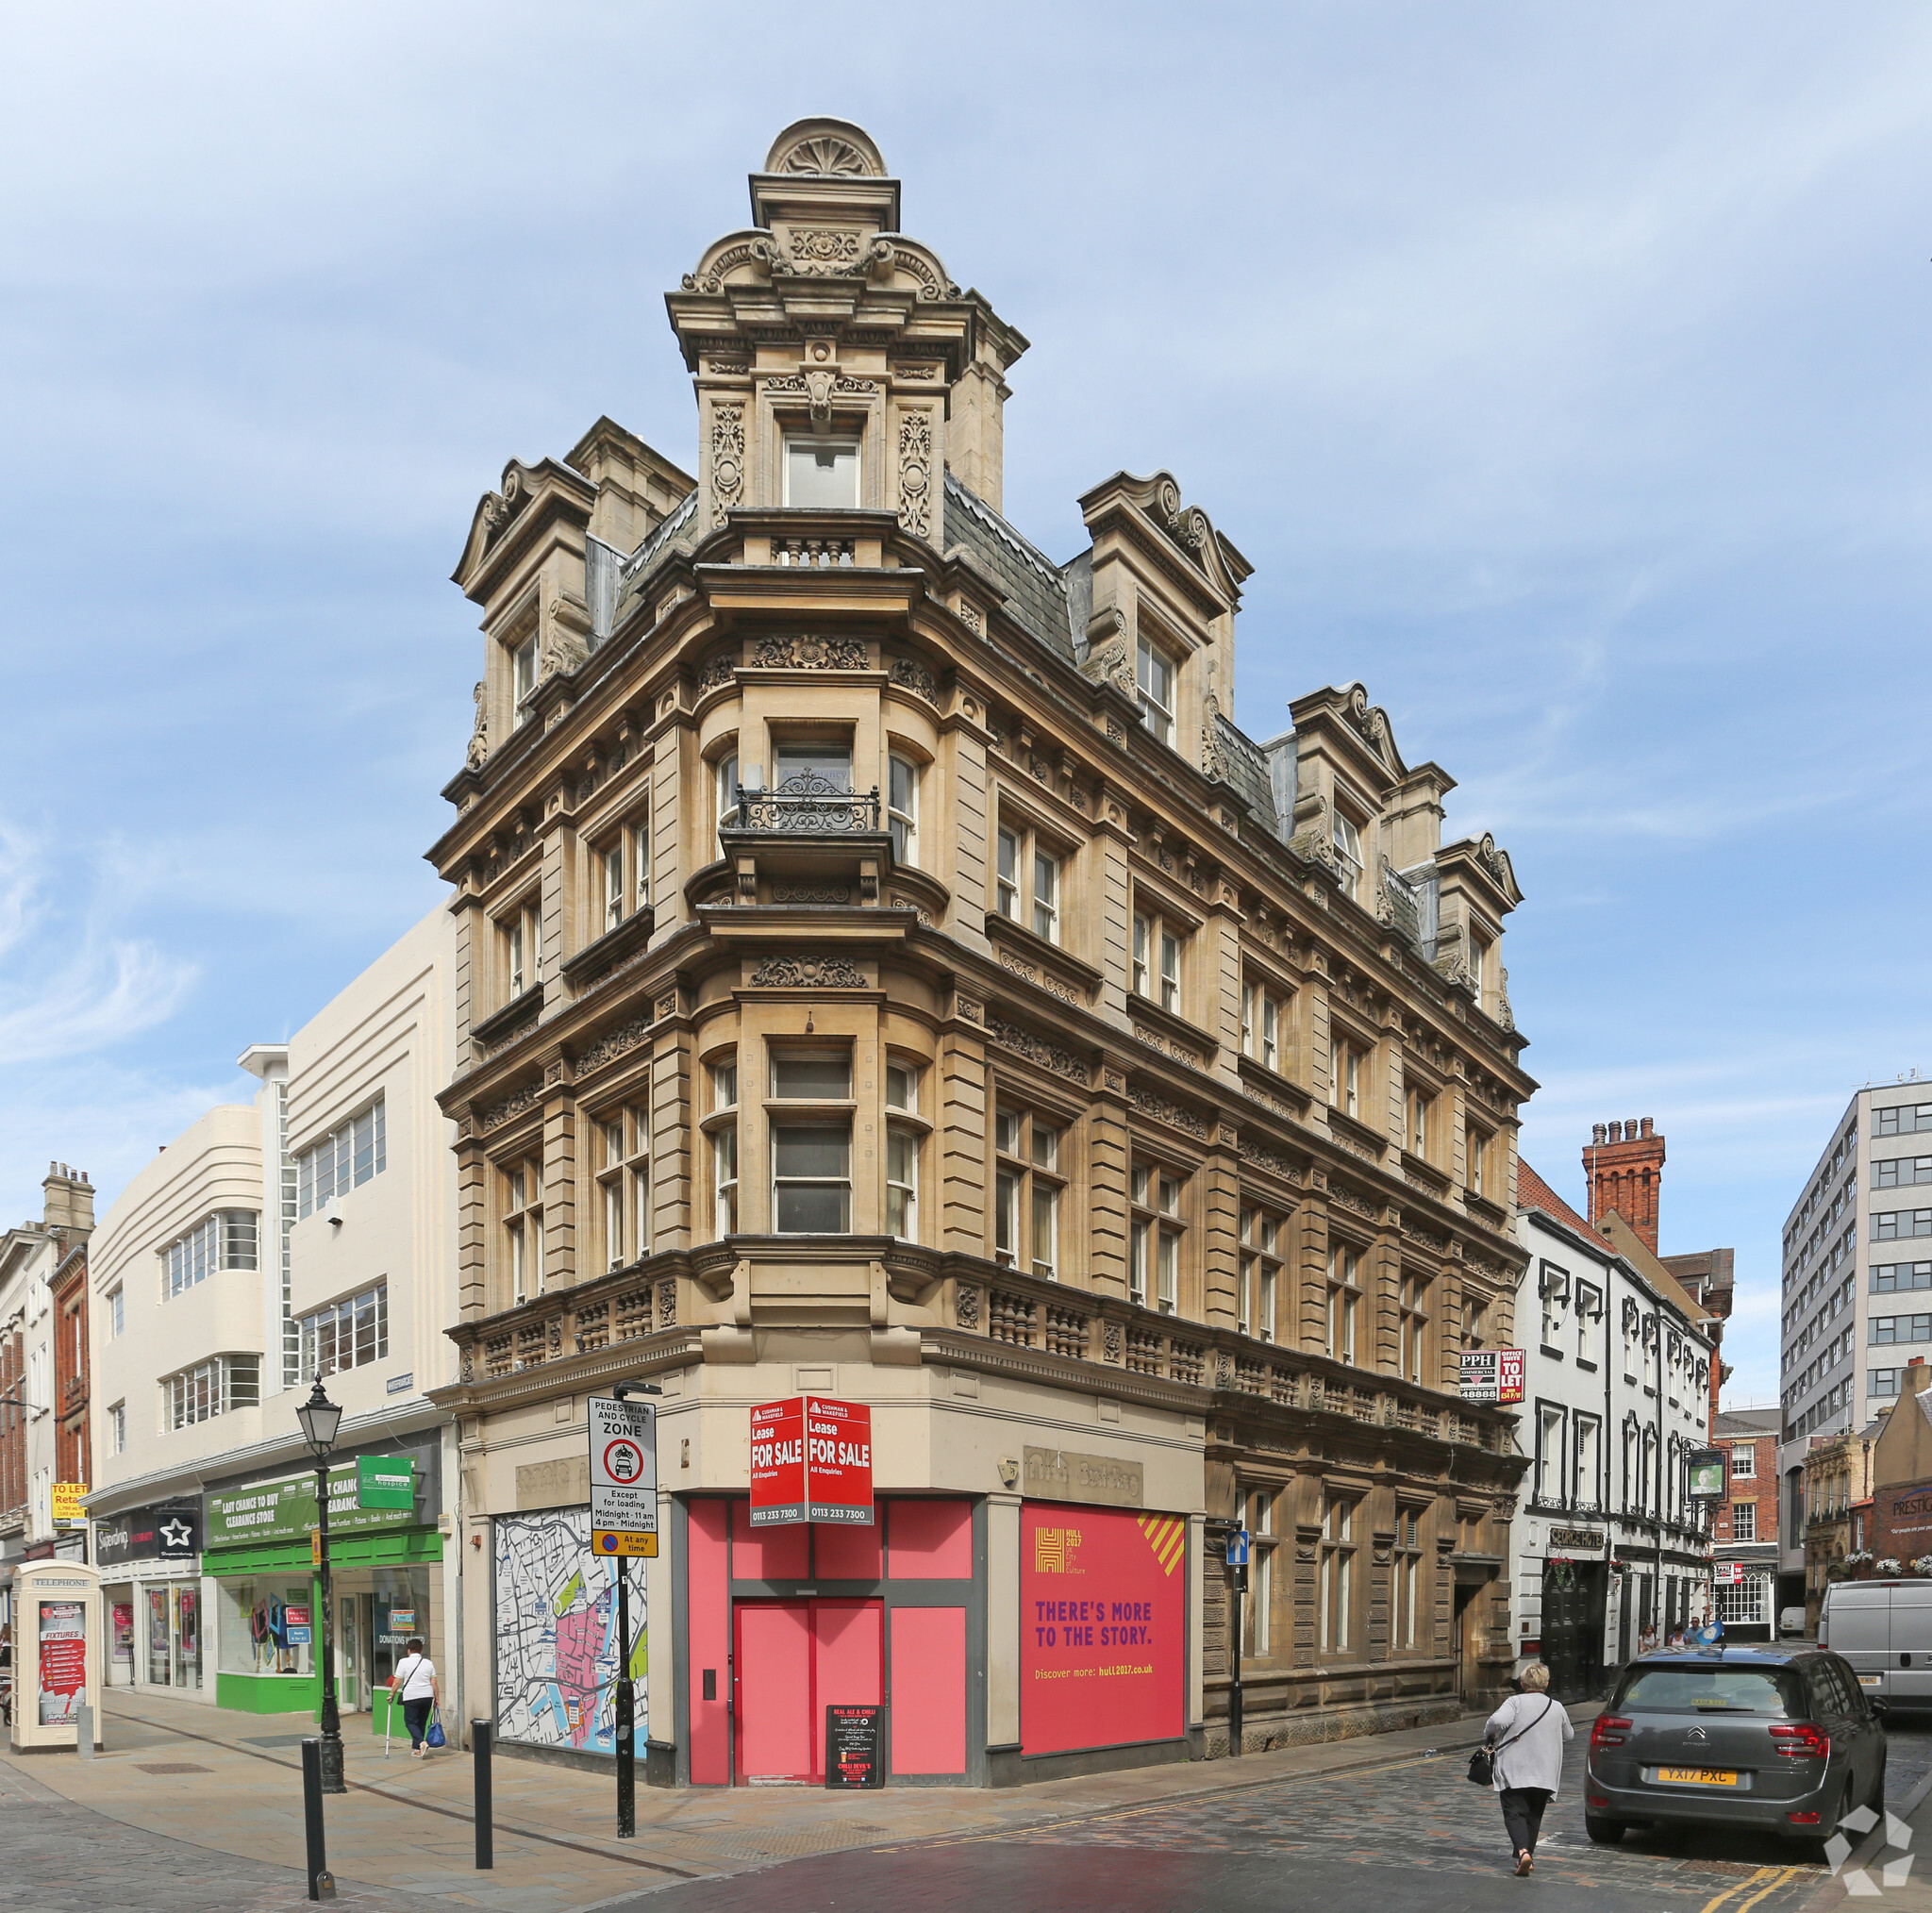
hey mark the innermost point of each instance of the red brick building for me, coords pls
(1744, 1531)
(1623, 1174)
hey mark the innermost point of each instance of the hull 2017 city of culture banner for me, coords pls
(1103, 1628)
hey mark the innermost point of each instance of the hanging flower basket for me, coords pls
(1890, 1563)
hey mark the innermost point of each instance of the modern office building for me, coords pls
(887, 972)
(1858, 1285)
(308, 1232)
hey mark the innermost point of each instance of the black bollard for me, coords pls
(480, 1749)
(322, 1884)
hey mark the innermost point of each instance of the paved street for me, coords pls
(181, 1822)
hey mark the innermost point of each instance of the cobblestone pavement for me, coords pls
(1414, 1834)
(57, 1858)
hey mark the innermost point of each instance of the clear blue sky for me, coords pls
(1562, 372)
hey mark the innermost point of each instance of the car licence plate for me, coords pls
(1868, 1680)
(1697, 1776)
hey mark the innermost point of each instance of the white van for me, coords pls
(1884, 1628)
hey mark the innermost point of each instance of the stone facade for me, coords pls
(885, 970)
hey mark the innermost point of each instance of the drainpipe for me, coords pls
(1657, 1517)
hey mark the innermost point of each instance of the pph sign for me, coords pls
(811, 1461)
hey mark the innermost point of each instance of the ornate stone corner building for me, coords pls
(888, 974)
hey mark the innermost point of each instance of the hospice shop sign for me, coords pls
(1103, 1641)
(811, 1461)
(285, 1510)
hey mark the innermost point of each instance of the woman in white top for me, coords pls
(1527, 1732)
(415, 1680)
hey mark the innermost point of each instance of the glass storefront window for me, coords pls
(187, 1636)
(121, 1633)
(401, 1609)
(159, 1657)
(255, 1627)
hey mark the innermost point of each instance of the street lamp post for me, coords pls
(319, 1419)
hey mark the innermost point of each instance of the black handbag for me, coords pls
(1482, 1763)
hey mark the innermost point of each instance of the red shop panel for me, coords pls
(929, 1690)
(777, 1553)
(931, 1541)
(1102, 1628)
(844, 1554)
(708, 1610)
(848, 1664)
(775, 1740)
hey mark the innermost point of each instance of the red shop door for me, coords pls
(791, 1660)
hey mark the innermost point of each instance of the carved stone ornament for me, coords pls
(808, 973)
(966, 1305)
(1049, 1056)
(1110, 657)
(913, 676)
(1110, 1340)
(728, 456)
(759, 251)
(513, 1106)
(824, 154)
(1262, 1157)
(915, 472)
(617, 1043)
(1371, 721)
(479, 738)
(809, 654)
(1188, 527)
(824, 245)
(667, 1304)
(811, 894)
(720, 670)
(1158, 1107)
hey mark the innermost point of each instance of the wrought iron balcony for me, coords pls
(807, 804)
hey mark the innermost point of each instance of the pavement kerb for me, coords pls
(1003, 1810)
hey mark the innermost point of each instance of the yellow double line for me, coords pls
(1772, 1878)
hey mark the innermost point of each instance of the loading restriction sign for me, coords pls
(623, 1477)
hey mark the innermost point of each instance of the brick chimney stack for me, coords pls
(1624, 1171)
(70, 1201)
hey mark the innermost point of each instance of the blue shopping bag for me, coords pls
(435, 1736)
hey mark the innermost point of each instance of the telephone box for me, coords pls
(57, 1659)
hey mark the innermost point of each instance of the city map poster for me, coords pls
(556, 1612)
(1103, 1635)
(63, 1661)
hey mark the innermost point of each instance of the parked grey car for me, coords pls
(1779, 1738)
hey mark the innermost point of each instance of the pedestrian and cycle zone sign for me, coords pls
(623, 1477)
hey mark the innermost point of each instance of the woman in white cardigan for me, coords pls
(1527, 1732)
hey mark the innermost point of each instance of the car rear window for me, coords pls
(1772, 1691)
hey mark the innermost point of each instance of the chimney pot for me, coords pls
(1596, 1134)
(1647, 1129)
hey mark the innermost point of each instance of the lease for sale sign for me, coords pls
(838, 1461)
(623, 1470)
(777, 1463)
(811, 1461)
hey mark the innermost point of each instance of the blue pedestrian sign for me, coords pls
(1238, 1548)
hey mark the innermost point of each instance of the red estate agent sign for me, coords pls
(1508, 1375)
(811, 1461)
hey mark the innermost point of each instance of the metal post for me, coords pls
(84, 1731)
(627, 1713)
(322, 1884)
(480, 1749)
(1234, 1691)
(332, 1781)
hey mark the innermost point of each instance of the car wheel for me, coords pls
(1606, 1833)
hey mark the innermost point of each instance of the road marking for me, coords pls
(1774, 1875)
(1784, 1875)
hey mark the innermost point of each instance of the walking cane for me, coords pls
(388, 1722)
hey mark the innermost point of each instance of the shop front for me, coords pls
(153, 1597)
(262, 1562)
(1573, 1607)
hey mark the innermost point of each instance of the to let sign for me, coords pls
(811, 1460)
(1492, 1375)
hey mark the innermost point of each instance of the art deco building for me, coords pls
(888, 973)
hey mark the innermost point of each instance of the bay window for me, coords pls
(902, 807)
(1027, 1185)
(721, 1136)
(811, 1143)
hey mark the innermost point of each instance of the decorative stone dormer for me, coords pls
(1159, 590)
(838, 367)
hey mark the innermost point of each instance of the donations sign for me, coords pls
(811, 1461)
(1102, 1596)
(285, 1510)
